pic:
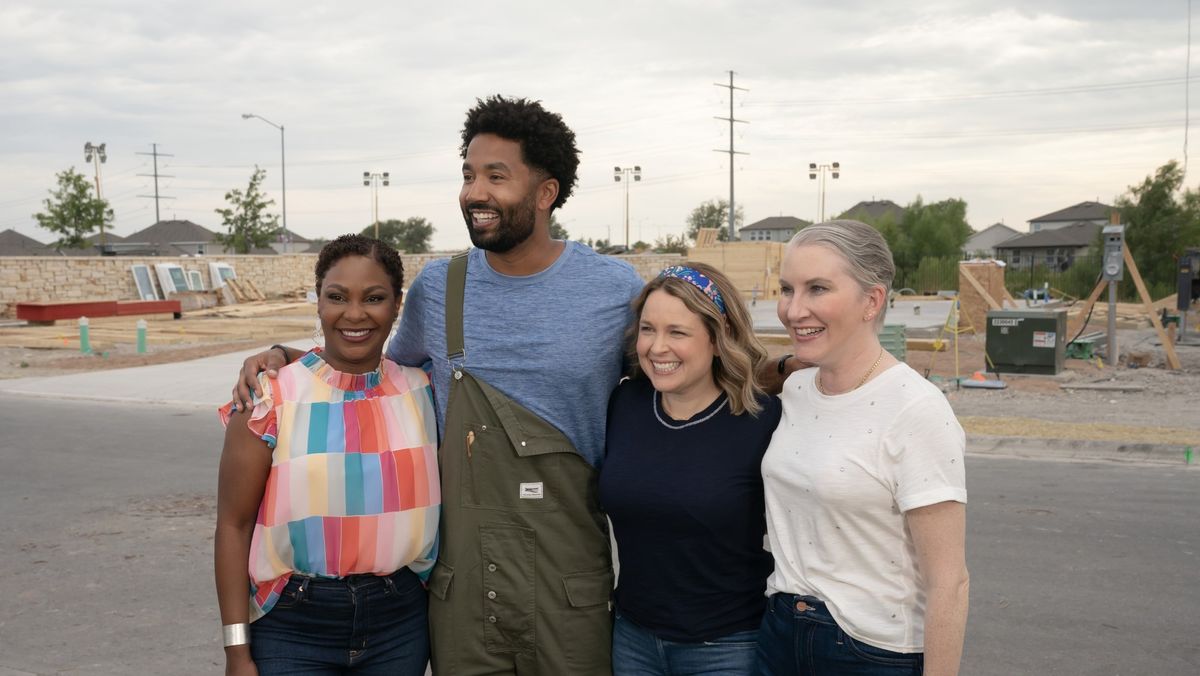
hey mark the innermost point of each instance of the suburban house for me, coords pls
(173, 238)
(1056, 248)
(287, 242)
(875, 211)
(771, 229)
(1090, 212)
(13, 243)
(983, 243)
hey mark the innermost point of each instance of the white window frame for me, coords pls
(167, 280)
(216, 273)
(145, 287)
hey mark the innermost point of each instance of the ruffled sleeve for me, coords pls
(263, 421)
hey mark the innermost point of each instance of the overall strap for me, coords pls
(456, 286)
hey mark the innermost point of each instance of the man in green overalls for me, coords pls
(523, 335)
(524, 339)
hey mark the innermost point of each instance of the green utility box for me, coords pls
(892, 339)
(1027, 341)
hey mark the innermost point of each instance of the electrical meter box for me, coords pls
(1027, 341)
(1113, 269)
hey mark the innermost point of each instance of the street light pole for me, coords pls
(373, 179)
(282, 161)
(625, 172)
(835, 170)
(97, 156)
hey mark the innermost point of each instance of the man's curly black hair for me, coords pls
(358, 245)
(547, 143)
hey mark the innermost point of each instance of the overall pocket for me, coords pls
(496, 477)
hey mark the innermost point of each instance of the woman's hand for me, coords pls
(238, 661)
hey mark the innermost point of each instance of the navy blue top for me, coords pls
(686, 502)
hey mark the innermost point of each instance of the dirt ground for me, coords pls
(1150, 404)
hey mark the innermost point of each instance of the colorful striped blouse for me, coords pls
(353, 486)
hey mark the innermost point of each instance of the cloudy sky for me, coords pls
(1020, 108)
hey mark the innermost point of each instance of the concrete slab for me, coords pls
(204, 383)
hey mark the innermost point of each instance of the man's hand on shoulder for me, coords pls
(271, 361)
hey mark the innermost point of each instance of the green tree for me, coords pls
(247, 225)
(72, 211)
(557, 231)
(671, 244)
(713, 214)
(934, 230)
(411, 235)
(1160, 222)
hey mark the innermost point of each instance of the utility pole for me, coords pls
(731, 151)
(372, 180)
(97, 156)
(626, 172)
(834, 170)
(155, 154)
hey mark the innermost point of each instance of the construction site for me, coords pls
(1063, 385)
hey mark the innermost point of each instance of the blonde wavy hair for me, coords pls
(738, 352)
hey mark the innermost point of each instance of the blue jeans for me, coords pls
(637, 652)
(809, 642)
(360, 624)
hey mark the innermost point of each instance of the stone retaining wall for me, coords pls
(47, 279)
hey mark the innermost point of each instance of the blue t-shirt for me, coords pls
(552, 341)
(686, 503)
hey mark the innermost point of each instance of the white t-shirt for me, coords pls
(839, 474)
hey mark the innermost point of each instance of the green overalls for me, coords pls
(524, 572)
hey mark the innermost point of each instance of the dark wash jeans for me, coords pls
(810, 643)
(360, 624)
(637, 652)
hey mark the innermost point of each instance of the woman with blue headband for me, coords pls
(681, 481)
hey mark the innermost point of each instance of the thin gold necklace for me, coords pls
(821, 388)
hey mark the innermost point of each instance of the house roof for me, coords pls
(994, 233)
(13, 243)
(789, 223)
(286, 235)
(1076, 235)
(167, 232)
(109, 238)
(1084, 211)
(874, 210)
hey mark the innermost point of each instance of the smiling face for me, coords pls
(822, 307)
(357, 308)
(674, 348)
(499, 196)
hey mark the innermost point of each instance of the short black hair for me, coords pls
(358, 245)
(547, 143)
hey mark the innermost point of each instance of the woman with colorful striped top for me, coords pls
(328, 496)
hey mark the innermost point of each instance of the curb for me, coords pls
(1076, 449)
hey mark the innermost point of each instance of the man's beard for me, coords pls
(514, 225)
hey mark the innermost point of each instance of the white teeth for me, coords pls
(355, 334)
(808, 332)
(665, 367)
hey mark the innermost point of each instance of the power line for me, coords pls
(156, 197)
(1187, 92)
(975, 96)
(731, 151)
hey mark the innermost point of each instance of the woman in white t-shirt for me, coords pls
(864, 482)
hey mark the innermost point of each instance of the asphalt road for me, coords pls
(106, 539)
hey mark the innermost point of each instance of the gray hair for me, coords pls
(868, 258)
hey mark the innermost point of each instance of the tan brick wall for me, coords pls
(48, 279)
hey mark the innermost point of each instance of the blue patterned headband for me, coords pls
(697, 279)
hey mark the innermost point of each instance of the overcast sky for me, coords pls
(1020, 108)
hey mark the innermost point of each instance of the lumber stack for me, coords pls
(748, 265)
(980, 288)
